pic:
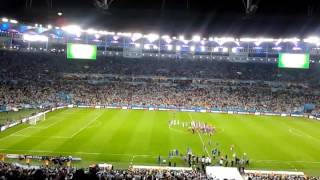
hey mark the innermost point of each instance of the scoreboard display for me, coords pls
(81, 51)
(290, 60)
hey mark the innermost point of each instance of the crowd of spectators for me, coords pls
(219, 97)
(10, 171)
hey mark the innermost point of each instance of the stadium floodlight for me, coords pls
(136, 36)
(178, 48)
(166, 38)
(97, 36)
(115, 38)
(292, 40)
(91, 31)
(169, 47)
(137, 45)
(223, 40)
(5, 20)
(152, 37)
(59, 13)
(72, 29)
(216, 49)
(313, 40)
(224, 49)
(203, 48)
(277, 48)
(49, 26)
(296, 48)
(146, 46)
(35, 38)
(13, 21)
(196, 38)
(248, 39)
(181, 37)
(192, 48)
(211, 39)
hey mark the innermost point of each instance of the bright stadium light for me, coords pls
(196, 38)
(313, 40)
(181, 37)
(91, 31)
(192, 48)
(136, 36)
(167, 38)
(211, 39)
(152, 37)
(35, 38)
(116, 38)
(49, 26)
(146, 46)
(137, 45)
(97, 36)
(225, 49)
(292, 40)
(72, 29)
(203, 48)
(169, 47)
(5, 20)
(178, 48)
(248, 39)
(13, 21)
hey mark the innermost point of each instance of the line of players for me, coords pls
(194, 126)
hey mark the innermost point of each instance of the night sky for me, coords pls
(222, 17)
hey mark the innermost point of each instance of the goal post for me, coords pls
(33, 120)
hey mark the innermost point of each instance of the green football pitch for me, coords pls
(122, 137)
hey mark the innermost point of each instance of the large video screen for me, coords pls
(288, 60)
(81, 51)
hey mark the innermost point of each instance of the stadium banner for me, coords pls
(242, 112)
(296, 115)
(284, 115)
(270, 114)
(151, 109)
(70, 106)
(187, 110)
(162, 168)
(230, 112)
(203, 110)
(214, 111)
(82, 106)
(97, 107)
(164, 109)
(2, 128)
(257, 113)
(262, 172)
(24, 120)
(124, 107)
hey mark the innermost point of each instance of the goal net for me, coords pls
(33, 120)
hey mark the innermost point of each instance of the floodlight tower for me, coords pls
(250, 6)
(29, 3)
(103, 4)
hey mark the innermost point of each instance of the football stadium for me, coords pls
(86, 100)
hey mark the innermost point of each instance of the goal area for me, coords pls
(33, 120)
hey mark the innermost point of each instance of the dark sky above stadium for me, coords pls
(265, 6)
(223, 17)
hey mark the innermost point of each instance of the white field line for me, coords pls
(297, 132)
(87, 125)
(203, 144)
(55, 137)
